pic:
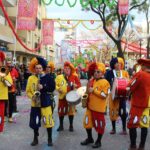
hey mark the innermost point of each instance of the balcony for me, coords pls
(6, 35)
(9, 3)
(12, 13)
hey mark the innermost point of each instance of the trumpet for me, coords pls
(37, 94)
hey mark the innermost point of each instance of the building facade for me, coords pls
(30, 38)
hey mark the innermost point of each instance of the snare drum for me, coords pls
(73, 98)
(119, 88)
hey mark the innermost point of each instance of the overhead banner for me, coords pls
(27, 13)
(123, 7)
(48, 32)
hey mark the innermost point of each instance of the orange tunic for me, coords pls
(97, 99)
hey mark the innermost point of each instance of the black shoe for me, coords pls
(96, 145)
(35, 141)
(71, 129)
(50, 143)
(60, 128)
(87, 141)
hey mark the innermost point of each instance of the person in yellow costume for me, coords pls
(5, 82)
(39, 89)
(94, 115)
(117, 107)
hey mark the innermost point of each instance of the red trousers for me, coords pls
(2, 107)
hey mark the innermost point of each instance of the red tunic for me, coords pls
(140, 89)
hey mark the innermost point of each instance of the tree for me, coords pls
(110, 15)
(146, 10)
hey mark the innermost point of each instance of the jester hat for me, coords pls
(51, 64)
(35, 61)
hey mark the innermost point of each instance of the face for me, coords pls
(117, 66)
(48, 69)
(98, 74)
(67, 71)
(38, 69)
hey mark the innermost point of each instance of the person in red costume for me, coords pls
(139, 116)
(73, 82)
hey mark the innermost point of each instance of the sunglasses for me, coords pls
(48, 67)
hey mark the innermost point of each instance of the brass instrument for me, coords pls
(3, 74)
(84, 100)
(37, 94)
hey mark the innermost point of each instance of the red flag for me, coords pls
(48, 32)
(123, 7)
(27, 12)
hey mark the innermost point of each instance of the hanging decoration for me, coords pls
(71, 24)
(47, 3)
(123, 6)
(26, 16)
(48, 31)
(59, 4)
(83, 3)
(13, 30)
(71, 5)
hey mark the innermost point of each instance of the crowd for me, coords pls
(40, 80)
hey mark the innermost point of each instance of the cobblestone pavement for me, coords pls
(18, 135)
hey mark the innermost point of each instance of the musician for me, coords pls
(118, 105)
(94, 115)
(139, 115)
(50, 69)
(73, 82)
(5, 82)
(39, 88)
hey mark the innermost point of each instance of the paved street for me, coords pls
(18, 135)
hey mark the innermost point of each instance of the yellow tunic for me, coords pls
(97, 99)
(31, 88)
(61, 84)
(4, 87)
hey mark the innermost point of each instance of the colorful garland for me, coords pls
(46, 3)
(58, 4)
(71, 5)
(83, 3)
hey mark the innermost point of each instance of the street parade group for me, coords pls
(106, 89)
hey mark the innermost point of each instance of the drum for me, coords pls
(73, 98)
(119, 88)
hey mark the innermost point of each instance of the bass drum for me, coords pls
(73, 98)
(119, 88)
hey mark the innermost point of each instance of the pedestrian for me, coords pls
(98, 90)
(39, 89)
(139, 116)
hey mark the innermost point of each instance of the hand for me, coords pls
(60, 91)
(75, 86)
(40, 86)
(91, 90)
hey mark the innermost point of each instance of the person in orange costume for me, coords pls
(94, 115)
(139, 115)
(73, 82)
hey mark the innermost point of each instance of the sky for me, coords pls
(65, 12)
